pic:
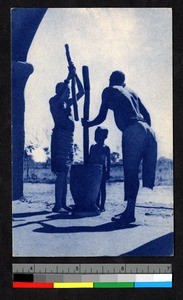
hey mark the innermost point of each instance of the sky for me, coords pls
(137, 41)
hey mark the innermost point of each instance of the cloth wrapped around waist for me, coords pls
(61, 149)
(134, 120)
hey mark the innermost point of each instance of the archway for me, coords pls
(24, 26)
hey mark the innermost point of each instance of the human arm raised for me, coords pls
(72, 73)
(80, 88)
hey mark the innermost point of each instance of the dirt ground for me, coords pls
(39, 232)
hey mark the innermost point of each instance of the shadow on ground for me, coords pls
(154, 207)
(111, 226)
(46, 228)
(162, 246)
(66, 216)
(30, 214)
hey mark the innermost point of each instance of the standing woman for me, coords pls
(62, 137)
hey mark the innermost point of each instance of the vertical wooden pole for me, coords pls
(74, 97)
(86, 109)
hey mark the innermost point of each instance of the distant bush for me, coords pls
(41, 172)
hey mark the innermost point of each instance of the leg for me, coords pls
(102, 192)
(131, 186)
(98, 200)
(65, 192)
(149, 163)
(60, 189)
(128, 216)
(131, 180)
(133, 144)
(103, 195)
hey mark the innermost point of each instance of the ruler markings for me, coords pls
(93, 269)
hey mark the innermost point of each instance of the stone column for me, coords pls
(20, 74)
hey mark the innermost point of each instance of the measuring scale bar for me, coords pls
(88, 276)
(92, 268)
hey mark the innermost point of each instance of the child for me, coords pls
(62, 138)
(100, 154)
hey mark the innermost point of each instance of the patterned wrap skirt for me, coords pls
(61, 149)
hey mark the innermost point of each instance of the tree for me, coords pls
(76, 148)
(47, 151)
(115, 157)
(27, 155)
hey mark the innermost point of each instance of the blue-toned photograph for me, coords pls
(92, 132)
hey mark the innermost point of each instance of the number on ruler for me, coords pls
(168, 268)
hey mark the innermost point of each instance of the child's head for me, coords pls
(101, 134)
